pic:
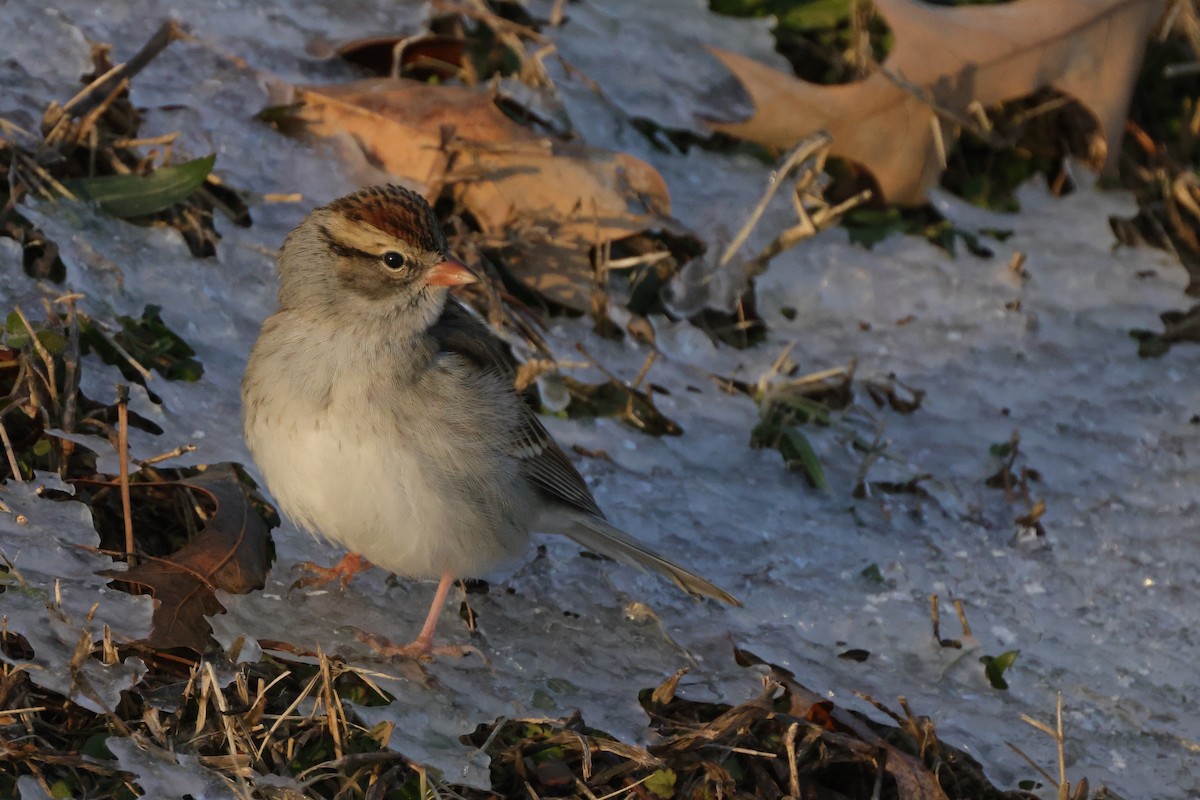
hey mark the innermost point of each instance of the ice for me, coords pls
(166, 775)
(681, 84)
(1102, 608)
(29, 789)
(50, 593)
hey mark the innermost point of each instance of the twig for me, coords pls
(8, 450)
(628, 788)
(86, 100)
(641, 376)
(70, 379)
(178, 451)
(87, 125)
(1032, 763)
(603, 370)
(798, 155)
(1055, 733)
(146, 374)
(333, 704)
(123, 455)
(809, 225)
(948, 114)
(44, 354)
(59, 190)
(166, 138)
(789, 741)
(962, 618)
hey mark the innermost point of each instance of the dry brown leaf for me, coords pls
(504, 174)
(562, 274)
(231, 554)
(956, 57)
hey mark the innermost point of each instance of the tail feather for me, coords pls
(601, 537)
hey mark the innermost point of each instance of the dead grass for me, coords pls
(296, 718)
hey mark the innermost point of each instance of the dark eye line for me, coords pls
(339, 248)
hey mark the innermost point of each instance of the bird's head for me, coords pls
(379, 250)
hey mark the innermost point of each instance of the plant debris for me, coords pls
(787, 741)
(231, 553)
(89, 149)
(142, 343)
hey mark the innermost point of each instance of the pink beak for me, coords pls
(450, 272)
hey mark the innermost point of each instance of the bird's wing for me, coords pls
(546, 466)
(572, 509)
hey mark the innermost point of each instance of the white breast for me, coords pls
(343, 463)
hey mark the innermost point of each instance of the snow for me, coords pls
(1102, 608)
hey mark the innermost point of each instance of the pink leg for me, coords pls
(424, 639)
(422, 647)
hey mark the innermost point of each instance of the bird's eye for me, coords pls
(393, 260)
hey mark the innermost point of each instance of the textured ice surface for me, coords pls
(167, 775)
(673, 81)
(1102, 610)
(49, 596)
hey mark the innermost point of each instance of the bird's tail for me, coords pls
(601, 537)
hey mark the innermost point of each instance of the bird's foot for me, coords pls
(419, 649)
(350, 565)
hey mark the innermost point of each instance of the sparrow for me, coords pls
(382, 414)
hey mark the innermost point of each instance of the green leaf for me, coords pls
(15, 335)
(661, 783)
(995, 667)
(795, 448)
(1000, 449)
(792, 408)
(635, 407)
(764, 434)
(872, 574)
(139, 195)
(868, 226)
(816, 14)
(543, 700)
(53, 341)
(798, 452)
(96, 746)
(150, 341)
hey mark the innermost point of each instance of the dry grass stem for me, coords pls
(123, 457)
(816, 145)
(83, 102)
(183, 449)
(44, 354)
(939, 141)
(147, 375)
(962, 618)
(13, 466)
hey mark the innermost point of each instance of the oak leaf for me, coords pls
(519, 186)
(955, 58)
(231, 553)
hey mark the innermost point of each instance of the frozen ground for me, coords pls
(1102, 609)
